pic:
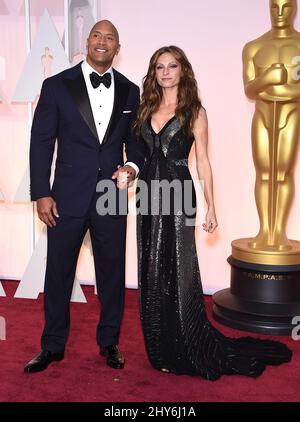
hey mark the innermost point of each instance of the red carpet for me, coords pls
(84, 376)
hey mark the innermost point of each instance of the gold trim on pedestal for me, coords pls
(243, 252)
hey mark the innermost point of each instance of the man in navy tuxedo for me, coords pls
(90, 110)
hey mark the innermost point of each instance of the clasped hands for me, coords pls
(277, 74)
(125, 176)
(276, 83)
(47, 207)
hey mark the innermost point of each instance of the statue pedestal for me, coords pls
(263, 297)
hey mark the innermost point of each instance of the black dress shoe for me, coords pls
(41, 361)
(114, 357)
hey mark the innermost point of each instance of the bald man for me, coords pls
(90, 110)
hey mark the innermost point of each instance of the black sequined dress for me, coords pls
(177, 333)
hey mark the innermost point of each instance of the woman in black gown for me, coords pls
(178, 336)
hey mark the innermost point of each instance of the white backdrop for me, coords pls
(213, 35)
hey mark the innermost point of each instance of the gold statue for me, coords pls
(271, 64)
(264, 290)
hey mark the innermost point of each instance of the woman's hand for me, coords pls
(125, 176)
(210, 221)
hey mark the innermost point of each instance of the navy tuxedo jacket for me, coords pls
(64, 113)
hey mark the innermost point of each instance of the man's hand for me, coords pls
(46, 208)
(125, 176)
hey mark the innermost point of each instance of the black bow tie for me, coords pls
(96, 79)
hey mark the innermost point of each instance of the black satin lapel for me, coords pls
(78, 91)
(121, 95)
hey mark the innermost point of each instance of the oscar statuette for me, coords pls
(264, 294)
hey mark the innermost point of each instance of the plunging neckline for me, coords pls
(168, 122)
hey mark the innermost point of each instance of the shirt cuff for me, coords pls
(134, 166)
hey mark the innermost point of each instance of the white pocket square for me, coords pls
(127, 111)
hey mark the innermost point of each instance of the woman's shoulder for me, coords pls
(202, 113)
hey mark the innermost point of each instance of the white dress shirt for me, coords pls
(102, 103)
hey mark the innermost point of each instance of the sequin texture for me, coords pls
(178, 336)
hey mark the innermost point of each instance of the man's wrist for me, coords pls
(134, 166)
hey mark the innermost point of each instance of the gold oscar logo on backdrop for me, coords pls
(265, 270)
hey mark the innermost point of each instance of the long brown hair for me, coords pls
(189, 102)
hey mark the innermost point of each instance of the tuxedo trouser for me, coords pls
(108, 236)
